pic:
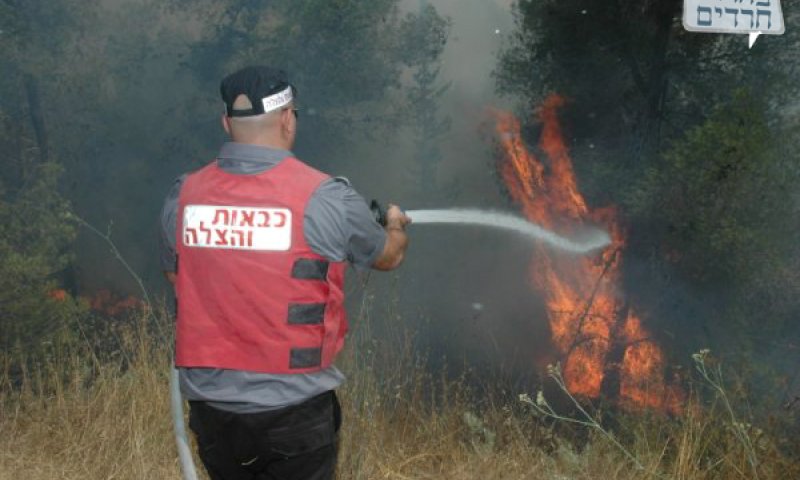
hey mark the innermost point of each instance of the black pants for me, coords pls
(296, 442)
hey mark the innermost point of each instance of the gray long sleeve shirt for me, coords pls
(337, 225)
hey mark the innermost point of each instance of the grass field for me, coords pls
(78, 412)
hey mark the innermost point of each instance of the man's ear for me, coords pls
(226, 124)
(286, 120)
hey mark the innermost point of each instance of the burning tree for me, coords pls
(605, 349)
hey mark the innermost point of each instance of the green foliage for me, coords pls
(123, 95)
(706, 176)
(37, 234)
(425, 36)
(611, 62)
(422, 37)
(34, 245)
(634, 78)
(346, 57)
(721, 194)
(128, 94)
(719, 211)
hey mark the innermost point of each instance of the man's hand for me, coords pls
(396, 218)
(396, 240)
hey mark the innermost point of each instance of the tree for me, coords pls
(37, 233)
(127, 95)
(35, 243)
(719, 211)
(691, 135)
(634, 77)
(427, 36)
(346, 57)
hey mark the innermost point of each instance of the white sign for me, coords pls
(733, 16)
(240, 228)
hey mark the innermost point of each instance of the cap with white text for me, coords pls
(268, 89)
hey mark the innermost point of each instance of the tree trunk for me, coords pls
(610, 388)
(37, 118)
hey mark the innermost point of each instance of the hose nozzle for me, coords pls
(378, 212)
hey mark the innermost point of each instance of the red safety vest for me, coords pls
(252, 295)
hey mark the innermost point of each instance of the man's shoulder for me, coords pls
(181, 179)
(336, 197)
(334, 189)
(175, 188)
(309, 169)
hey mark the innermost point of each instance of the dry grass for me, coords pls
(77, 416)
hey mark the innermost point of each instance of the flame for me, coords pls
(58, 294)
(596, 333)
(104, 301)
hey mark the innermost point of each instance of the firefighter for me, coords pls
(256, 244)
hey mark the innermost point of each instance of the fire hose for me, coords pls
(181, 439)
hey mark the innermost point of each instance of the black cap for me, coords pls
(258, 83)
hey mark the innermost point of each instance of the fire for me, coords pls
(104, 301)
(58, 294)
(604, 347)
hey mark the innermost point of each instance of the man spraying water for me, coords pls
(262, 241)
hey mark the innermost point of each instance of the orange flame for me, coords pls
(106, 302)
(58, 294)
(597, 334)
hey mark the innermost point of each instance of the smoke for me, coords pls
(462, 170)
(466, 290)
(126, 100)
(129, 97)
(477, 33)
